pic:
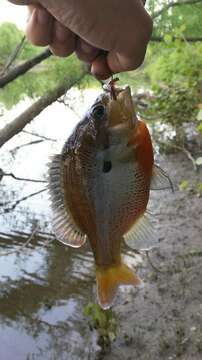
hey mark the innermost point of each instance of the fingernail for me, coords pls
(43, 17)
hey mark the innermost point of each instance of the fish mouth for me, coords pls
(121, 110)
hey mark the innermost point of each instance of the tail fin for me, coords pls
(108, 281)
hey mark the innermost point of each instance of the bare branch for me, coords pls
(35, 109)
(15, 149)
(188, 39)
(2, 174)
(17, 202)
(180, 148)
(22, 247)
(14, 55)
(39, 136)
(23, 68)
(174, 4)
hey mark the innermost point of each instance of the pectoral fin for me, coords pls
(64, 226)
(160, 180)
(141, 236)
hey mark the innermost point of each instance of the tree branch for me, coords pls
(35, 109)
(14, 55)
(39, 136)
(2, 174)
(17, 202)
(174, 4)
(22, 247)
(188, 39)
(23, 68)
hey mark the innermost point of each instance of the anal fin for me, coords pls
(141, 236)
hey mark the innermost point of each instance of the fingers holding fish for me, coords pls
(100, 68)
(63, 40)
(40, 26)
(85, 51)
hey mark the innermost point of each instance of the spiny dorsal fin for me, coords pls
(160, 180)
(141, 236)
(64, 226)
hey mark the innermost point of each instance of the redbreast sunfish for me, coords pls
(100, 186)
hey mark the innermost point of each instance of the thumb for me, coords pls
(119, 62)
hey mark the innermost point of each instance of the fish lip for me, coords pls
(121, 110)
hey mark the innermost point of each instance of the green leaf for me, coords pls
(199, 115)
(199, 127)
(168, 38)
(184, 185)
(199, 161)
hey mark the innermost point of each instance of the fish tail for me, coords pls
(109, 279)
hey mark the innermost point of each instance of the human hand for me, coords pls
(121, 28)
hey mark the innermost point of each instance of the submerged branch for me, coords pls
(17, 202)
(2, 174)
(23, 68)
(22, 247)
(35, 109)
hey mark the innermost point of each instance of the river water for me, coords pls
(44, 285)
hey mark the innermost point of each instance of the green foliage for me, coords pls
(199, 189)
(175, 76)
(10, 37)
(184, 185)
(176, 61)
(103, 321)
(175, 17)
(174, 104)
(42, 77)
(194, 188)
(199, 128)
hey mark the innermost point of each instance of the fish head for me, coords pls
(109, 114)
(120, 110)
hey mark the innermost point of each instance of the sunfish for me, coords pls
(100, 185)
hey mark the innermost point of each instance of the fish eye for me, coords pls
(98, 112)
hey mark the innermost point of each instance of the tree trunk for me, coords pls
(35, 109)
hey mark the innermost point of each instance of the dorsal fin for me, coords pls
(141, 236)
(64, 226)
(160, 180)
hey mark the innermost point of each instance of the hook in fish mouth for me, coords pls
(111, 88)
